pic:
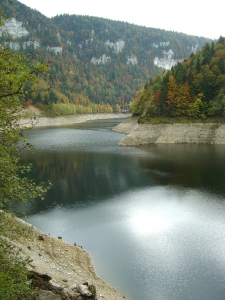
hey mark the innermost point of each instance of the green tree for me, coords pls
(15, 71)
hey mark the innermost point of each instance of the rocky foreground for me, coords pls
(59, 271)
(199, 133)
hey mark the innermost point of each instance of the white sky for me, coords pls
(199, 17)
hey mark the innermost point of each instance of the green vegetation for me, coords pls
(14, 283)
(192, 90)
(171, 120)
(16, 71)
(79, 85)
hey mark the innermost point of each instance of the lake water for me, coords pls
(151, 217)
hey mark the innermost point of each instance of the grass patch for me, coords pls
(14, 276)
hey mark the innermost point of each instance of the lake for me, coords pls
(151, 217)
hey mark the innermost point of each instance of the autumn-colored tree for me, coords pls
(183, 99)
(194, 88)
(172, 96)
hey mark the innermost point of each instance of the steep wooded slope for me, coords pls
(194, 88)
(96, 64)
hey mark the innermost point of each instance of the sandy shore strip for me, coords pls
(68, 120)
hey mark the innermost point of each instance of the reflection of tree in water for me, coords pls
(81, 178)
(187, 165)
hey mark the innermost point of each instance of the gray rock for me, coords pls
(92, 288)
(55, 286)
(72, 293)
(84, 290)
(87, 289)
(47, 295)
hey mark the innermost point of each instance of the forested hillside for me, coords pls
(194, 88)
(96, 65)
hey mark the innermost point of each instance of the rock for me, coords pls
(84, 290)
(54, 286)
(92, 288)
(72, 292)
(87, 289)
(47, 295)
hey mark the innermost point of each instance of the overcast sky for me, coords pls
(199, 17)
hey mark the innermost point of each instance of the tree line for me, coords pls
(194, 88)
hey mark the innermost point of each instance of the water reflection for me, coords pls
(177, 253)
(198, 166)
(83, 178)
(152, 217)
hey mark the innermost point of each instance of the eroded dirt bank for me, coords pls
(67, 265)
(199, 133)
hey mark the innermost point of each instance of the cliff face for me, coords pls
(69, 267)
(199, 133)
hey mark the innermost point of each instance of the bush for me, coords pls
(14, 283)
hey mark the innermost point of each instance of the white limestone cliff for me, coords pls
(132, 59)
(57, 50)
(102, 60)
(13, 28)
(118, 46)
(166, 63)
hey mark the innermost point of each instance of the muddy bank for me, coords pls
(199, 133)
(67, 120)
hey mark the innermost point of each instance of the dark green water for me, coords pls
(152, 217)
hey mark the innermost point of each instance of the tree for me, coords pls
(16, 70)
(172, 94)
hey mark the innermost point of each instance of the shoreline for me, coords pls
(41, 121)
(67, 265)
(177, 133)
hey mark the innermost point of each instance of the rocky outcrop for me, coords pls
(199, 133)
(102, 60)
(13, 28)
(117, 46)
(132, 60)
(166, 63)
(56, 50)
(45, 289)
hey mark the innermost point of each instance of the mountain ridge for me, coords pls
(97, 64)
